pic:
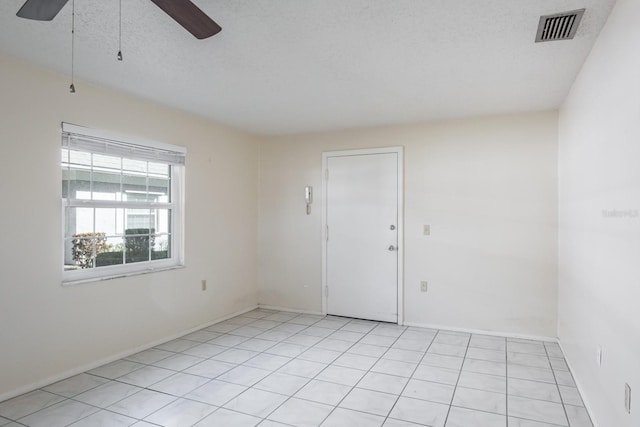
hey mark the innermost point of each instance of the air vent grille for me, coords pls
(561, 26)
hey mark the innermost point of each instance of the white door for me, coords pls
(362, 216)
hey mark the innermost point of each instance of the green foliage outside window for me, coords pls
(138, 246)
(82, 250)
(137, 242)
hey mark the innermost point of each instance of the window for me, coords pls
(122, 205)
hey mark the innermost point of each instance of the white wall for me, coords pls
(599, 252)
(487, 187)
(47, 329)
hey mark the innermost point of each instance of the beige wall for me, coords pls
(487, 187)
(599, 284)
(46, 329)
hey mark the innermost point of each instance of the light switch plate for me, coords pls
(426, 229)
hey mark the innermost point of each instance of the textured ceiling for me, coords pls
(289, 66)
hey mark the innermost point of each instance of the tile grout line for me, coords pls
(544, 400)
(174, 373)
(217, 407)
(455, 388)
(312, 378)
(506, 375)
(564, 409)
(278, 406)
(328, 365)
(309, 379)
(263, 352)
(368, 371)
(413, 373)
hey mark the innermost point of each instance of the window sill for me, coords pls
(120, 275)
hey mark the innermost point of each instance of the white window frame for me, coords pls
(176, 205)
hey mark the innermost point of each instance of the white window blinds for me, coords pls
(94, 141)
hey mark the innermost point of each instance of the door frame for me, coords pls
(400, 205)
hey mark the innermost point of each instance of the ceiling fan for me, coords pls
(184, 12)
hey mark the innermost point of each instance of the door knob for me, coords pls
(392, 248)
(392, 227)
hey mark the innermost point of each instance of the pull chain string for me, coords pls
(120, 33)
(72, 88)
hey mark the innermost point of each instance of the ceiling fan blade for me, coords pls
(41, 10)
(190, 17)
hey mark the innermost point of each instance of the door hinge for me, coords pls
(326, 236)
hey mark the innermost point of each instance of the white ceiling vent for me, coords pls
(560, 26)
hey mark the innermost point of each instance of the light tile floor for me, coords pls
(268, 369)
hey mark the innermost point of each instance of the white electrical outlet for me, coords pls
(423, 286)
(204, 285)
(599, 356)
(627, 398)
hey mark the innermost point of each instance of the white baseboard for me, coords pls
(482, 332)
(92, 365)
(290, 310)
(587, 405)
